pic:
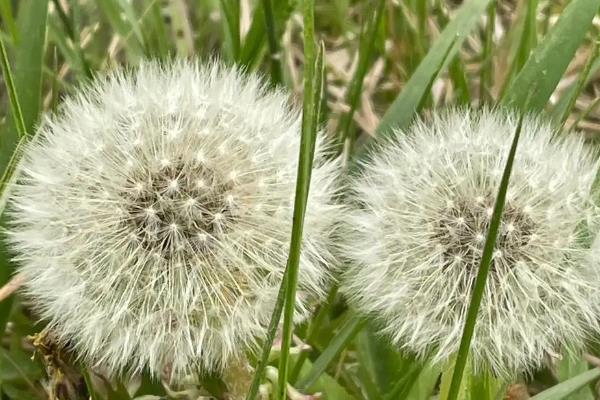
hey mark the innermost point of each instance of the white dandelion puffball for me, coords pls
(153, 216)
(422, 207)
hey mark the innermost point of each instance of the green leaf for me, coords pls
(402, 110)
(346, 334)
(549, 60)
(568, 387)
(482, 273)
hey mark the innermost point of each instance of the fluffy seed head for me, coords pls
(414, 241)
(153, 215)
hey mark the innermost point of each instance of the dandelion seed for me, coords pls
(173, 282)
(414, 244)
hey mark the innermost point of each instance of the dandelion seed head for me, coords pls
(132, 214)
(414, 244)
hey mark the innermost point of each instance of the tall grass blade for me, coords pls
(551, 57)
(403, 109)
(312, 101)
(484, 268)
(314, 79)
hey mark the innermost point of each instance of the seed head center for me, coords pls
(178, 208)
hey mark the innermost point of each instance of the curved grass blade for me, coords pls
(347, 332)
(550, 59)
(568, 387)
(403, 109)
(484, 268)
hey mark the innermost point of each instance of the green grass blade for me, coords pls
(112, 10)
(528, 36)
(155, 31)
(564, 108)
(314, 71)
(404, 385)
(308, 139)
(7, 16)
(268, 343)
(568, 387)
(346, 334)
(181, 28)
(29, 59)
(367, 43)
(76, 17)
(459, 79)
(550, 59)
(15, 106)
(89, 384)
(273, 40)
(486, 74)
(231, 11)
(403, 109)
(28, 87)
(484, 267)
(255, 39)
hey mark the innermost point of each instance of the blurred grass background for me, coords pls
(384, 61)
